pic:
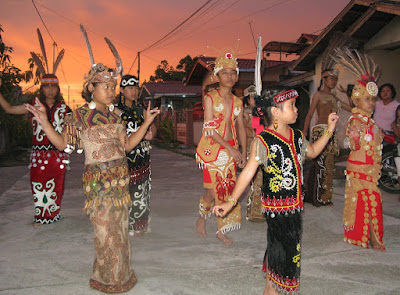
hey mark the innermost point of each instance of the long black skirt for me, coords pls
(283, 252)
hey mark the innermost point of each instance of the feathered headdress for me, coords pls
(338, 40)
(46, 76)
(365, 69)
(98, 72)
(126, 80)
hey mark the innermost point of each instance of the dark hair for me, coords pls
(392, 89)
(86, 94)
(324, 71)
(58, 98)
(397, 111)
(349, 90)
(246, 100)
(265, 103)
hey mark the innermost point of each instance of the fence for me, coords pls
(183, 125)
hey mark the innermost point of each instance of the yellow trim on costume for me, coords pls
(276, 282)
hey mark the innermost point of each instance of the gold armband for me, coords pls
(328, 133)
(233, 201)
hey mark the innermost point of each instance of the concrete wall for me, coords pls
(197, 131)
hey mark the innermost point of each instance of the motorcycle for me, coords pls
(389, 178)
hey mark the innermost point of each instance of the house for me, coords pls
(173, 95)
(375, 28)
(202, 70)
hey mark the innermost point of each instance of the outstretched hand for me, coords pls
(38, 110)
(223, 209)
(150, 114)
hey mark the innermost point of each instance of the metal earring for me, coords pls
(276, 124)
(92, 104)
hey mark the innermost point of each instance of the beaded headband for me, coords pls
(53, 80)
(129, 80)
(332, 73)
(281, 98)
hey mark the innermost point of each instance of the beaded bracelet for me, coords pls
(328, 133)
(233, 201)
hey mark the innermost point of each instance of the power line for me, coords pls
(181, 24)
(54, 42)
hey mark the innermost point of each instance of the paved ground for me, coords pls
(57, 258)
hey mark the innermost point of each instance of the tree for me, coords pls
(14, 130)
(165, 72)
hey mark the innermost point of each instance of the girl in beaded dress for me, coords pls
(100, 132)
(280, 151)
(47, 164)
(138, 158)
(362, 216)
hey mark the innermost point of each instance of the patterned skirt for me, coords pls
(220, 176)
(139, 189)
(320, 178)
(107, 201)
(47, 171)
(282, 257)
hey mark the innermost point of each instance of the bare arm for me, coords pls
(151, 132)
(58, 140)
(396, 128)
(316, 148)
(311, 110)
(134, 139)
(242, 138)
(9, 109)
(245, 177)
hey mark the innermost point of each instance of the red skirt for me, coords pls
(47, 169)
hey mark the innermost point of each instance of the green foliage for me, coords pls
(15, 130)
(167, 130)
(166, 72)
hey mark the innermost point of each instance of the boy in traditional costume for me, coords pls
(47, 164)
(362, 217)
(217, 151)
(97, 130)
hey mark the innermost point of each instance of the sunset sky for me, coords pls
(134, 25)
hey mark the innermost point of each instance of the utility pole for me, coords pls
(138, 67)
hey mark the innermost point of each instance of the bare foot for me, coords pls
(225, 239)
(375, 243)
(269, 289)
(138, 234)
(377, 247)
(36, 224)
(201, 227)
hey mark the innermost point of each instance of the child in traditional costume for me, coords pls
(100, 132)
(139, 158)
(47, 164)
(362, 217)
(280, 151)
(217, 151)
(319, 184)
(254, 208)
(132, 112)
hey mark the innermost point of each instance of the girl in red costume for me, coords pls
(47, 165)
